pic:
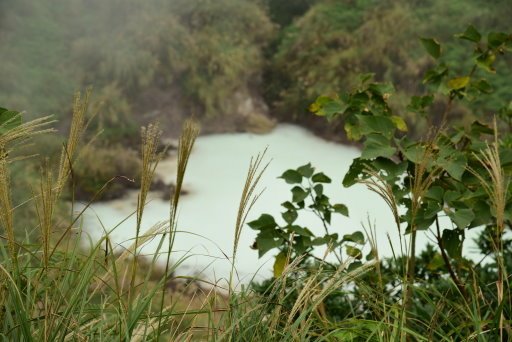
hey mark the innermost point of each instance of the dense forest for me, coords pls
(422, 88)
(236, 64)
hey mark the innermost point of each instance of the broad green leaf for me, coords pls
(422, 222)
(319, 241)
(265, 221)
(452, 243)
(353, 131)
(328, 107)
(302, 244)
(306, 170)
(354, 252)
(355, 170)
(505, 157)
(382, 89)
(431, 209)
(455, 164)
(320, 178)
(483, 86)
(292, 177)
(327, 216)
(435, 193)
(340, 209)
(389, 169)
(461, 217)
(298, 230)
(298, 194)
(456, 138)
(266, 242)
(319, 189)
(327, 239)
(496, 39)
(376, 124)
(483, 213)
(399, 123)
(420, 103)
(451, 196)
(370, 256)
(413, 151)
(470, 34)
(477, 128)
(8, 120)
(377, 145)
(280, 264)
(359, 101)
(354, 266)
(485, 61)
(290, 216)
(435, 76)
(356, 237)
(458, 82)
(432, 46)
(288, 205)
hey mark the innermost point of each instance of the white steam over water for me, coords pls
(215, 179)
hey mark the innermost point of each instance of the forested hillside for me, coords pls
(235, 64)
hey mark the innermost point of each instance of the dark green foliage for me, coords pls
(283, 12)
(334, 41)
(8, 120)
(462, 173)
(293, 240)
(201, 53)
(198, 52)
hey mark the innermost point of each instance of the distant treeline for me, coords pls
(199, 57)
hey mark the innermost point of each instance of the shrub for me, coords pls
(461, 173)
(99, 165)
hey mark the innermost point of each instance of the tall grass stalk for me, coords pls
(247, 201)
(189, 134)
(150, 137)
(6, 210)
(45, 204)
(497, 192)
(14, 135)
(68, 155)
(378, 185)
(78, 124)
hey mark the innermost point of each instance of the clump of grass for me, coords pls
(60, 291)
(16, 135)
(497, 191)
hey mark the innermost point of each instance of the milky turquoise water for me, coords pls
(214, 182)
